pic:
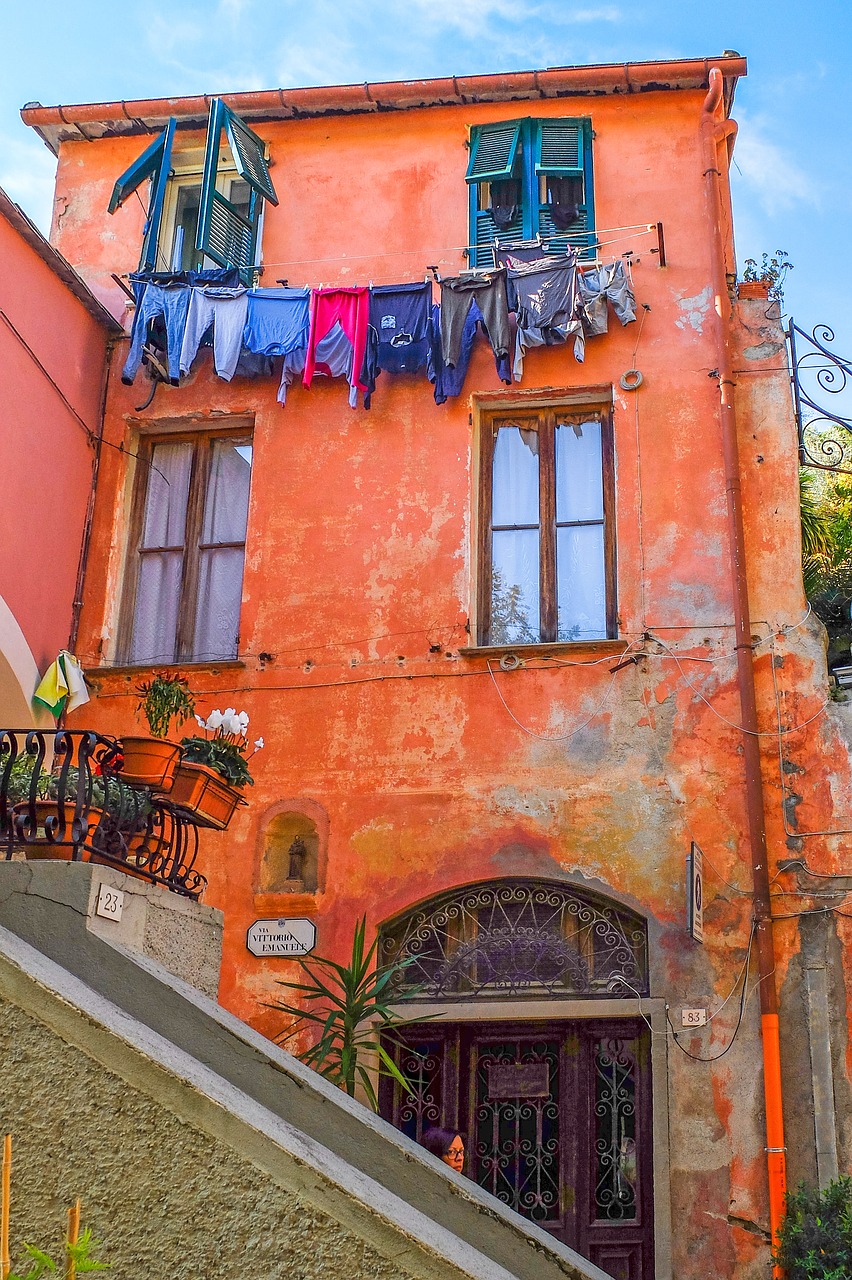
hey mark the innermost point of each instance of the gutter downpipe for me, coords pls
(714, 131)
(85, 543)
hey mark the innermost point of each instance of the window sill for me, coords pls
(136, 669)
(544, 649)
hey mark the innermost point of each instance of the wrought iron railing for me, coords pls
(62, 797)
(815, 371)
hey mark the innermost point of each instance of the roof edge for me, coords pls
(61, 267)
(87, 121)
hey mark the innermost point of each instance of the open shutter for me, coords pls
(154, 163)
(563, 149)
(493, 150)
(225, 233)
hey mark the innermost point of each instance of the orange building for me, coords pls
(514, 655)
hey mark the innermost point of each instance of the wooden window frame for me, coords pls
(543, 419)
(192, 546)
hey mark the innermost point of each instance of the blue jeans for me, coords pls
(172, 303)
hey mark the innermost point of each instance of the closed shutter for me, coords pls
(154, 163)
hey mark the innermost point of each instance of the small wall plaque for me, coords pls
(518, 1080)
(110, 902)
(281, 937)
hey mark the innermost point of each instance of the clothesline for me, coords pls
(358, 331)
(643, 228)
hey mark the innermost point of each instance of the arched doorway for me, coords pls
(551, 1088)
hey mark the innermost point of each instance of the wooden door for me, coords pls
(557, 1124)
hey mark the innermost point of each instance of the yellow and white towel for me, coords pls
(63, 679)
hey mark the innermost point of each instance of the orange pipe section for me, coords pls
(715, 132)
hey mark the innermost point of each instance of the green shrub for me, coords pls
(815, 1241)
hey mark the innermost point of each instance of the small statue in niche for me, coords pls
(297, 855)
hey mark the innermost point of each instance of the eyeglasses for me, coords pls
(456, 1152)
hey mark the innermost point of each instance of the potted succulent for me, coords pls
(214, 768)
(151, 762)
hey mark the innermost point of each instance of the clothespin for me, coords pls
(435, 275)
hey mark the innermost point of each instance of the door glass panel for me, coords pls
(579, 472)
(226, 504)
(615, 1178)
(580, 583)
(422, 1064)
(516, 1141)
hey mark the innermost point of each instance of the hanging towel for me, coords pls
(63, 679)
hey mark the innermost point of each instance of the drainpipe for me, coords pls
(713, 132)
(90, 506)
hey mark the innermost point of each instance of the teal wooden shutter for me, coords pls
(494, 157)
(224, 233)
(155, 163)
(493, 150)
(563, 149)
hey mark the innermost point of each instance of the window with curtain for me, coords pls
(547, 543)
(188, 532)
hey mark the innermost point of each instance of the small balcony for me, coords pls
(62, 797)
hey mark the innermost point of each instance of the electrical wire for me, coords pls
(744, 975)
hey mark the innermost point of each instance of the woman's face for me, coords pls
(454, 1154)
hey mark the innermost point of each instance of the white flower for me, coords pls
(215, 720)
(201, 721)
(231, 723)
(258, 746)
(242, 716)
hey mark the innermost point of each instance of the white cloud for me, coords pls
(27, 175)
(770, 171)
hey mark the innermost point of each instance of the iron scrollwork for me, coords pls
(517, 938)
(816, 369)
(62, 797)
(615, 1125)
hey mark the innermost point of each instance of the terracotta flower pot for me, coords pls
(753, 289)
(150, 762)
(37, 843)
(205, 794)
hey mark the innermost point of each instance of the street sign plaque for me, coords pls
(695, 891)
(282, 937)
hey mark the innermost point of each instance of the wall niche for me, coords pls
(290, 854)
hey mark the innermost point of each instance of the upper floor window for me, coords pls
(204, 208)
(547, 540)
(530, 179)
(184, 579)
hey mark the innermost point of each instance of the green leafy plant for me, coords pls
(226, 751)
(81, 1253)
(20, 781)
(815, 1241)
(352, 1005)
(164, 698)
(770, 271)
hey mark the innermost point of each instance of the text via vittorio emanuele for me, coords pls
(281, 937)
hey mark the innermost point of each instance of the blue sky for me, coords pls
(793, 160)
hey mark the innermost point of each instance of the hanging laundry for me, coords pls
(401, 316)
(449, 379)
(251, 365)
(488, 290)
(564, 198)
(545, 295)
(227, 277)
(169, 303)
(333, 359)
(350, 308)
(63, 679)
(610, 282)
(370, 365)
(277, 321)
(225, 309)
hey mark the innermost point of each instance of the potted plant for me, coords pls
(214, 768)
(151, 762)
(43, 804)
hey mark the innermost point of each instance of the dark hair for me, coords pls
(439, 1141)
